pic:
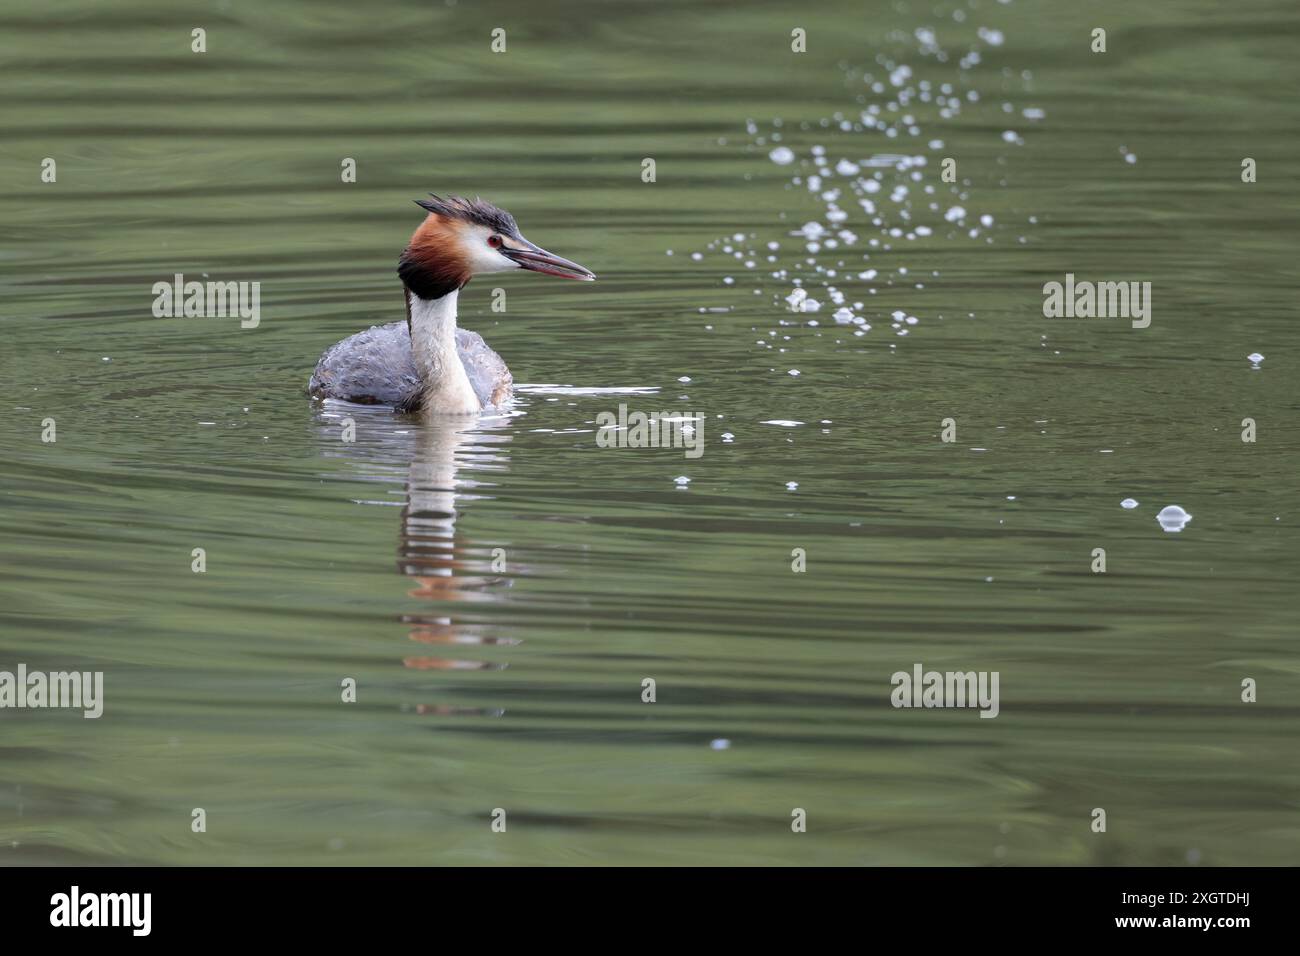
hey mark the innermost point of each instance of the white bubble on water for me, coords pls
(1128, 504)
(1173, 518)
(782, 156)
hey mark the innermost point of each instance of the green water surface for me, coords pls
(500, 589)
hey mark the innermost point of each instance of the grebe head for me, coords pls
(462, 238)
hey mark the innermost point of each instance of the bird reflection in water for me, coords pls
(448, 571)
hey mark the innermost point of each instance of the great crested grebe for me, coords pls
(426, 363)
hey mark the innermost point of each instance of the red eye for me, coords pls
(494, 242)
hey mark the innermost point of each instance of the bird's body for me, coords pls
(427, 364)
(377, 367)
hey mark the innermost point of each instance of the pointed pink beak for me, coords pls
(537, 259)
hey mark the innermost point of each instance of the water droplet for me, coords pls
(1172, 518)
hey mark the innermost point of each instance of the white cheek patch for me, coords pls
(482, 257)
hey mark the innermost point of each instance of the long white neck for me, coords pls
(447, 390)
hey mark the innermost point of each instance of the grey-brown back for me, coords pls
(377, 367)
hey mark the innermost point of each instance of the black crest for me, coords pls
(475, 210)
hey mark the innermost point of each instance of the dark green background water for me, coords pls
(521, 690)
